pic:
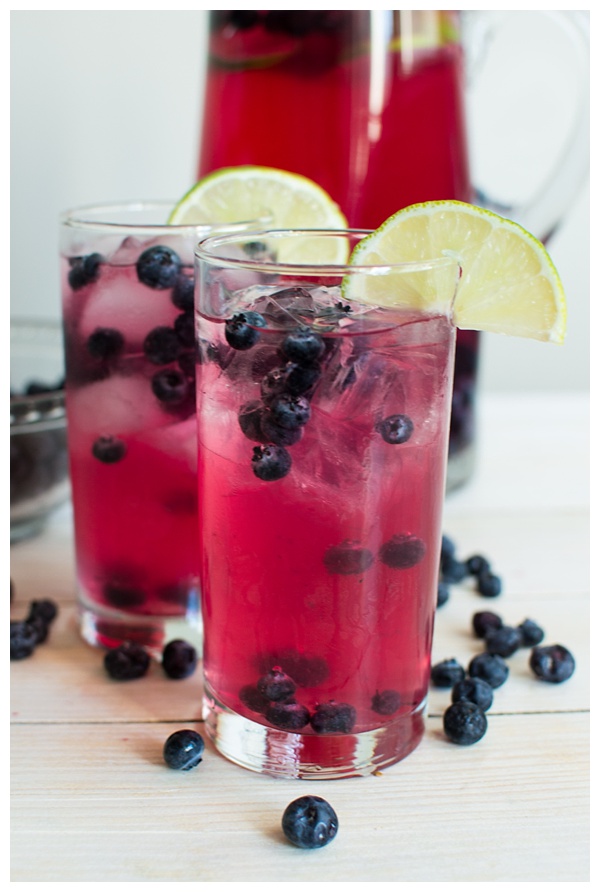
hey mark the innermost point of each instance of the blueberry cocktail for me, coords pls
(323, 437)
(128, 292)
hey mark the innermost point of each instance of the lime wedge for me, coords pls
(508, 283)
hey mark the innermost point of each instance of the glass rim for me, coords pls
(96, 217)
(207, 251)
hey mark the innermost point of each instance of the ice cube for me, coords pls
(116, 406)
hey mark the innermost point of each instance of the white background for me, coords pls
(105, 105)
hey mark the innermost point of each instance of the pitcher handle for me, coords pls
(543, 211)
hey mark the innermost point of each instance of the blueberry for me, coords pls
(303, 346)
(84, 270)
(307, 670)
(170, 386)
(250, 418)
(484, 622)
(477, 564)
(447, 673)
(489, 585)
(40, 628)
(443, 593)
(126, 662)
(531, 633)
(241, 330)
(105, 343)
(271, 462)
(309, 822)
(109, 449)
(448, 549)
(158, 267)
(123, 595)
(395, 429)
(464, 723)
(475, 690)
(301, 379)
(187, 363)
(333, 718)
(490, 667)
(402, 551)
(347, 559)
(504, 642)
(184, 326)
(182, 295)
(276, 685)
(251, 697)
(23, 639)
(44, 609)
(161, 345)
(553, 663)
(272, 432)
(183, 749)
(290, 412)
(386, 702)
(179, 659)
(289, 715)
(453, 570)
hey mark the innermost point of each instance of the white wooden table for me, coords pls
(93, 801)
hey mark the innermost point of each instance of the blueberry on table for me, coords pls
(241, 330)
(288, 715)
(276, 685)
(553, 663)
(447, 673)
(453, 571)
(395, 429)
(333, 718)
(105, 343)
(44, 609)
(347, 559)
(402, 551)
(109, 450)
(485, 621)
(303, 346)
(448, 548)
(386, 702)
(179, 658)
(161, 345)
(531, 633)
(490, 667)
(126, 662)
(271, 462)
(475, 690)
(84, 270)
(309, 822)
(489, 585)
(23, 639)
(464, 723)
(505, 641)
(158, 267)
(183, 750)
(477, 564)
(443, 593)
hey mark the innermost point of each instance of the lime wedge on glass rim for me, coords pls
(508, 283)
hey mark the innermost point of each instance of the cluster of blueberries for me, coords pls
(26, 634)
(130, 660)
(472, 689)
(172, 348)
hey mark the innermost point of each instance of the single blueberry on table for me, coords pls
(288, 715)
(553, 663)
(447, 673)
(347, 559)
(505, 641)
(490, 667)
(105, 343)
(453, 571)
(183, 749)
(448, 549)
(443, 593)
(127, 662)
(484, 622)
(386, 702)
(109, 449)
(40, 628)
(158, 267)
(464, 723)
(402, 551)
(84, 270)
(241, 330)
(489, 585)
(179, 658)
(333, 718)
(303, 346)
(276, 685)
(475, 690)
(271, 462)
(44, 609)
(309, 822)
(171, 387)
(531, 633)
(23, 639)
(161, 345)
(395, 429)
(477, 564)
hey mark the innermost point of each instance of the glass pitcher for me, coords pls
(371, 104)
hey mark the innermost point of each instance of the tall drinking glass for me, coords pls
(323, 437)
(127, 283)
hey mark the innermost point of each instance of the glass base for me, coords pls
(103, 627)
(283, 754)
(461, 466)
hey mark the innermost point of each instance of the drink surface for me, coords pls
(369, 105)
(329, 571)
(131, 428)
